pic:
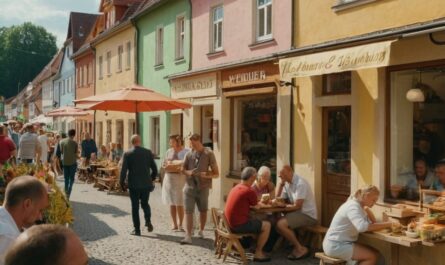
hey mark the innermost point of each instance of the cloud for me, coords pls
(50, 14)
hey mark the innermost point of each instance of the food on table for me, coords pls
(265, 198)
(412, 226)
(411, 234)
(396, 228)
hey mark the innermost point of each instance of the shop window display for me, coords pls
(255, 133)
(417, 132)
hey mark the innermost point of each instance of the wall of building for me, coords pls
(115, 81)
(374, 16)
(154, 77)
(67, 76)
(238, 31)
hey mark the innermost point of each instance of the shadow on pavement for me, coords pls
(94, 261)
(92, 228)
(200, 242)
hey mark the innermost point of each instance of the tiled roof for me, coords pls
(79, 27)
(146, 4)
(50, 69)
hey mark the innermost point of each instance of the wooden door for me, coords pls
(336, 159)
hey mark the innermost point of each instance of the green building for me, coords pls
(163, 41)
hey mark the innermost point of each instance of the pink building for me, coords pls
(239, 106)
(235, 30)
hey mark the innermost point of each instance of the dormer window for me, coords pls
(111, 17)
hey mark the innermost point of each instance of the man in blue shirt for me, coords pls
(88, 147)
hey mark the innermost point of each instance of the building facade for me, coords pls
(366, 100)
(163, 49)
(239, 106)
(115, 69)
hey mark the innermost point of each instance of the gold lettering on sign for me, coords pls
(193, 85)
(247, 77)
(365, 56)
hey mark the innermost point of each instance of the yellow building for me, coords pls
(115, 69)
(368, 82)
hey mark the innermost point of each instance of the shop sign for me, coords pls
(236, 79)
(201, 86)
(360, 57)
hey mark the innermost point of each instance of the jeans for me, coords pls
(68, 173)
(141, 195)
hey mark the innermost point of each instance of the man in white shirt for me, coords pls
(298, 192)
(29, 146)
(25, 199)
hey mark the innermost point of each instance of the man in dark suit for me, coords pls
(138, 162)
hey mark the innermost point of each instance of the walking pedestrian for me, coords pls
(25, 199)
(174, 181)
(198, 183)
(44, 146)
(7, 146)
(47, 244)
(29, 146)
(69, 151)
(139, 169)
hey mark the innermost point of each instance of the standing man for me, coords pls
(47, 244)
(88, 147)
(239, 202)
(25, 199)
(7, 146)
(29, 146)
(140, 169)
(298, 193)
(44, 146)
(199, 168)
(69, 151)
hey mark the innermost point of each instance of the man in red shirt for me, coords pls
(239, 201)
(7, 146)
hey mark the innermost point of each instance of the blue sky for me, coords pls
(51, 14)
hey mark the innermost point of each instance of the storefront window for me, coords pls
(417, 129)
(254, 141)
(337, 83)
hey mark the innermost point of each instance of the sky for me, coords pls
(53, 15)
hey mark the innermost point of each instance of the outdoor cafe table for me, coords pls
(275, 209)
(395, 242)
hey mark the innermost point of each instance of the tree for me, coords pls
(24, 52)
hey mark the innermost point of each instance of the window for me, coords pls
(264, 20)
(128, 55)
(217, 28)
(254, 132)
(180, 37)
(337, 83)
(417, 131)
(108, 135)
(101, 69)
(109, 63)
(88, 74)
(155, 136)
(120, 50)
(63, 87)
(84, 75)
(159, 46)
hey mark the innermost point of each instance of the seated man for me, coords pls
(47, 244)
(422, 176)
(298, 192)
(239, 201)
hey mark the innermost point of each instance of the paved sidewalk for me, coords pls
(103, 222)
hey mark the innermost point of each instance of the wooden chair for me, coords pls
(230, 240)
(325, 259)
(219, 241)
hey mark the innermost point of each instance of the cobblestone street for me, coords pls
(104, 224)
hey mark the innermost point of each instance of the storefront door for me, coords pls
(336, 158)
(207, 125)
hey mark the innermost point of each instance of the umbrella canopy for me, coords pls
(67, 111)
(132, 99)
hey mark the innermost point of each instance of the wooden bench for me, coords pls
(325, 259)
(107, 183)
(316, 232)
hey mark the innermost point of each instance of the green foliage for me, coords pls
(24, 52)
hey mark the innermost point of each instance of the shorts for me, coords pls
(298, 219)
(253, 226)
(338, 249)
(193, 196)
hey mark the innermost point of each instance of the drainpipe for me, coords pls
(136, 69)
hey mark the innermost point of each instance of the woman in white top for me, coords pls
(352, 218)
(174, 181)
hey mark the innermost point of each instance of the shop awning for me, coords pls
(359, 57)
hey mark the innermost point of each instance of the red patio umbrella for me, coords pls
(132, 99)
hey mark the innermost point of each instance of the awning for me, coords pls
(359, 57)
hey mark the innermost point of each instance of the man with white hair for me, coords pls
(263, 185)
(139, 167)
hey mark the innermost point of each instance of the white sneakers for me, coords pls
(201, 234)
